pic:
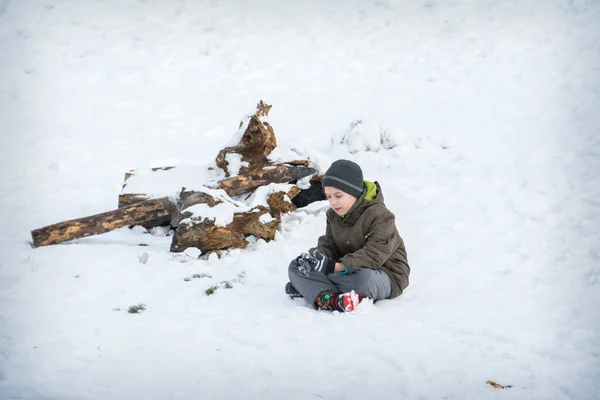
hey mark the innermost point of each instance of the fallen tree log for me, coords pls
(135, 214)
(155, 212)
(145, 189)
(276, 174)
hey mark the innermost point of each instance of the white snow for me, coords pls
(237, 136)
(304, 183)
(234, 163)
(160, 231)
(266, 218)
(221, 213)
(192, 252)
(284, 152)
(318, 157)
(260, 196)
(366, 135)
(493, 180)
(169, 182)
(218, 194)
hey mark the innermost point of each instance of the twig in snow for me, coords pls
(497, 385)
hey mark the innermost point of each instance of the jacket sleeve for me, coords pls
(382, 240)
(326, 244)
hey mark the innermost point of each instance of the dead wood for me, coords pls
(257, 142)
(276, 174)
(135, 214)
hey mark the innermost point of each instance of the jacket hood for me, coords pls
(371, 190)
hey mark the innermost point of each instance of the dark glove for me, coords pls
(303, 261)
(315, 262)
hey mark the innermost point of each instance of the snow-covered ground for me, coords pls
(494, 181)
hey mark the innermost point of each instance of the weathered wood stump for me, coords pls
(281, 202)
(206, 236)
(256, 143)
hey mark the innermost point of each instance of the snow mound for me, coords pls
(366, 136)
(221, 214)
(286, 152)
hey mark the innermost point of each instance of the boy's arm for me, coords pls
(382, 241)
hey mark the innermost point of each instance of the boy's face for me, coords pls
(340, 201)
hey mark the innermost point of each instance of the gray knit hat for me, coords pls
(346, 176)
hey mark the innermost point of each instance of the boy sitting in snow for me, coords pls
(361, 254)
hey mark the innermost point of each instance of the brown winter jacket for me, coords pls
(366, 237)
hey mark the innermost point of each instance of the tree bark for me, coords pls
(128, 199)
(135, 214)
(204, 235)
(257, 142)
(277, 174)
(188, 198)
(279, 204)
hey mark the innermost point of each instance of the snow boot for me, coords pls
(347, 302)
(328, 301)
(291, 291)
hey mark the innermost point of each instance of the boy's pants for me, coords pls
(366, 282)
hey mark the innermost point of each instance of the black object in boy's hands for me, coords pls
(317, 262)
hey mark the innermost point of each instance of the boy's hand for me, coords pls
(339, 267)
(324, 264)
(315, 262)
(303, 261)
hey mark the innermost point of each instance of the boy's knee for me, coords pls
(293, 269)
(293, 265)
(364, 286)
(372, 284)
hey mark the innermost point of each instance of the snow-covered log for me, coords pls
(135, 214)
(241, 167)
(274, 174)
(143, 184)
(206, 235)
